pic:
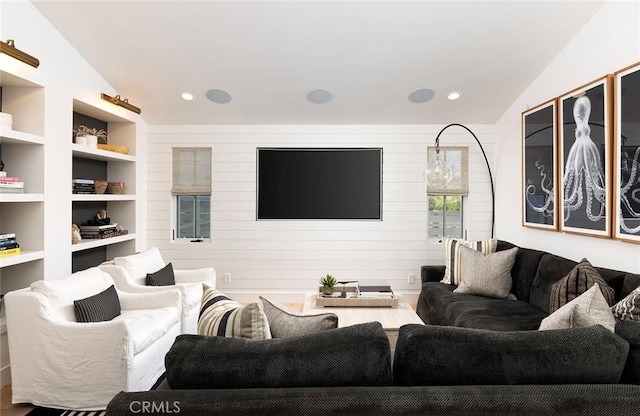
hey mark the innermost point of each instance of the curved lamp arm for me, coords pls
(493, 195)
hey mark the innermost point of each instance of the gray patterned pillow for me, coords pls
(285, 322)
(628, 309)
(97, 308)
(486, 274)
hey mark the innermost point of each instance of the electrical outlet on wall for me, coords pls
(411, 278)
(227, 277)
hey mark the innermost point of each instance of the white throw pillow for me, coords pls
(591, 303)
(138, 265)
(61, 293)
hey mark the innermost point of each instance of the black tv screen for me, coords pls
(319, 184)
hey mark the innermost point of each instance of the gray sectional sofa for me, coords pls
(436, 371)
(533, 274)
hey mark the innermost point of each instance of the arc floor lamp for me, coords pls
(439, 173)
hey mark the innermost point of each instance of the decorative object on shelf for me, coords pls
(114, 148)
(10, 49)
(328, 282)
(120, 102)
(89, 136)
(75, 234)
(539, 171)
(626, 142)
(6, 121)
(585, 159)
(115, 188)
(439, 172)
(1, 166)
(101, 186)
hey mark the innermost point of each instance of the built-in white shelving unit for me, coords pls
(113, 167)
(22, 151)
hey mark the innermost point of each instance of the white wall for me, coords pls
(287, 258)
(609, 42)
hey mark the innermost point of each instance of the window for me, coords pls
(445, 217)
(445, 203)
(193, 216)
(191, 186)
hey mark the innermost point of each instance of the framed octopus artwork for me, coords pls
(539, 174)
(626, 143)
(584, 137)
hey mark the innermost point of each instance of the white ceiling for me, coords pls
(370, 54)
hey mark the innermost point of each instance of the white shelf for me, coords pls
(99, 154)
(25, 256)
(101, 197)
(21, 197)
(18, 137)
(88, 244)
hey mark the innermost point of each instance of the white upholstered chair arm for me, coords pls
(39, 337)
(165, 298)
(123, 280)
(205, 274)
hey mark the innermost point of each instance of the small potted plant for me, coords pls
(92, 136)
(328, 282)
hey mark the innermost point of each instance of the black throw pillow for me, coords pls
(97, 308)
(163, 277)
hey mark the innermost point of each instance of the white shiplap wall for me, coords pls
(287, 258)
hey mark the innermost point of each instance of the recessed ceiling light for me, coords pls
(319, 96)
(421, 95)
(218, 96)
(187, 96)
(454, 95)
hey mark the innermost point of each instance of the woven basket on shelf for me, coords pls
(115, 188)
(101, 186)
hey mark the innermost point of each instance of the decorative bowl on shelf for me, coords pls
(115, 188)
(101, 186)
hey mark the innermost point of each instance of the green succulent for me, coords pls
(329, 281)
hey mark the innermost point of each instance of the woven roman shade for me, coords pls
(458, 159)
(191, 171)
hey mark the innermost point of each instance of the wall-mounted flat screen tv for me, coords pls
(319, 184)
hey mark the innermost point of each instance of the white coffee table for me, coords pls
(390, 318)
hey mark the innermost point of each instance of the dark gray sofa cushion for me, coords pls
(443, 307)
(631, 282)
(528, 400)
(438, 355)
(630, 331)
(524, 269)
(357, 355)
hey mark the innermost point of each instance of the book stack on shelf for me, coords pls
(10, 184)
(9, 245)
(83, 186)
(92, 232)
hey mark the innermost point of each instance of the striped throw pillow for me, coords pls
(575, 283)
(98, 308)
(452, 274)
(224, 317)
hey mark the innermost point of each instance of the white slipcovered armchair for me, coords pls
(130, 272)
(61, 363)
